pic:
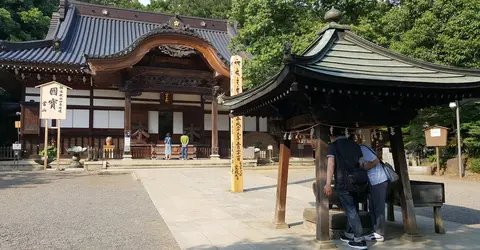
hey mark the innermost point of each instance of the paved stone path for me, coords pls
(202, 214)
(51, 210)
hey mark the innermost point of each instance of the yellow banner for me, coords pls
(236, 131)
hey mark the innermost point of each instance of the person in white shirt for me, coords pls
(378, 192)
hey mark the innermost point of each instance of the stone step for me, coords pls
(337, 221)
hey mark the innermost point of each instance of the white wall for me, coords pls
(263, 124)
(185, 97)
(76, 118)
(207, 121)
(153, 122)
(177, 122)
(108, 119)
(223, 123)
(249, 124)
(108, 103)
(78, 101)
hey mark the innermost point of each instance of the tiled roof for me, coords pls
(81, 35)
(350, 56)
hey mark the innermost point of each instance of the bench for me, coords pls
(424, 194)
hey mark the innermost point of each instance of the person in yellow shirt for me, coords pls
(184, 140)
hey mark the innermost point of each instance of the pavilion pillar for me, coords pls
(127, 155)
(406, 200)
(215, 155)
(282, 183)
(322, 201)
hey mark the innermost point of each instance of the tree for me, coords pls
(218, 9)
(25, 20)
(267, 25)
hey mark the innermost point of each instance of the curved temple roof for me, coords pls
(101, 31)
(341, 57)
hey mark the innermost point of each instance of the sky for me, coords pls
(144, 2)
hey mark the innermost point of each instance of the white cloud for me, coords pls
(145, 2)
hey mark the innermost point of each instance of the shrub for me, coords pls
(475, 165)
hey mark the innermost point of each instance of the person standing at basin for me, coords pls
(344, 159)
(168, 146)
(378, 192)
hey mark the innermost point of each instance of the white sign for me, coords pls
(127, 144)
(436, 132)
(17, 146)
(53, 101)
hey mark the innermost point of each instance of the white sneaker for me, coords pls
(374, 237)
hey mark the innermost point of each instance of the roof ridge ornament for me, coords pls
(287, 53)
(333, 15)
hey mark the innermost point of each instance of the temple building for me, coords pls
(143, 74)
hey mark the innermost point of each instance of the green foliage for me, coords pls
(25, 20)
(218, 9)
(51, 152)
(475, 165)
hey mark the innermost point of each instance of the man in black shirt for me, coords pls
(344, 155)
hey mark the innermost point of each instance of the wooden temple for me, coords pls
(136, 73)
(342, 80)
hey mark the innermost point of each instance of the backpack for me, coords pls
(354, 177)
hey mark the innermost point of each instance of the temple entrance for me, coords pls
(165, 124)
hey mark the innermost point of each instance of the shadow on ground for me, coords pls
(32, 179)
(275, 186)
(429, 240)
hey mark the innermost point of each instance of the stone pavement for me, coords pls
(202, 213)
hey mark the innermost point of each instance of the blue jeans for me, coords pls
(185, 152)
(354, 227)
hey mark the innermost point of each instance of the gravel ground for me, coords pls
(462, 203)
(51, 210)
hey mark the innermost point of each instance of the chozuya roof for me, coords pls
(341, 57)
(82, 29)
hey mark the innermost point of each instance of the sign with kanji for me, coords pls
(236, 131)
(53, 101)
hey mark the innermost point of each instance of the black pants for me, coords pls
(377, 199)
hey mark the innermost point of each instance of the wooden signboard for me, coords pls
(236, 131)
(53, 106)
(436, 136)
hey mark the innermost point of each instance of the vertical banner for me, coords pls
(236, 130)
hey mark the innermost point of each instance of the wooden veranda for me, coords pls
(342, 80)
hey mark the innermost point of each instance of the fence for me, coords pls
(6, 153)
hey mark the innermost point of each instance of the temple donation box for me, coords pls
(436, 136)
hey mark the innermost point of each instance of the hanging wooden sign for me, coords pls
(236, 131)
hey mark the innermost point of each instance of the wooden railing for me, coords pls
(141, 151)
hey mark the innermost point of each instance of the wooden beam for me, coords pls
(406, 200)
(157, 71)
(322, 209)
(282, 183)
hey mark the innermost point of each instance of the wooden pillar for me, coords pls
(215, 154)
(282, 183)
(127, 126)
(406, 200)
(322, 209)
(438, 160)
